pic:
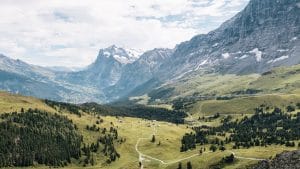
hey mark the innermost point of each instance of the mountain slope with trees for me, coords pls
(38, 137)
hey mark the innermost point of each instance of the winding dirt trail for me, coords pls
(246, 158)
(143, 156)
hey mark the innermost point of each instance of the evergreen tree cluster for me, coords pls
(189, 140)
(37, 137)
(71, 108)
(87, 150)
(223, 162)
(131, 110)
(93, 128)
(108, 140)
(188, 165)
(139, 111)
(104, 144)
(261, 129)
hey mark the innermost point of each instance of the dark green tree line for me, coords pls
(37, 137)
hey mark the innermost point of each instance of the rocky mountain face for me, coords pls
(106, 70)
(262, 36)
(118, 71)
(19, 77)
(139, 72)
(112, 64)
(19, 67)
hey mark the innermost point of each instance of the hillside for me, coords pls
(210, 93)
(226, 99)
(136, 135)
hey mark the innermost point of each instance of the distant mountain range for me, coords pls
(262, 36)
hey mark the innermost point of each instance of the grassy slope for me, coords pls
(133, 128)
(212, 84)
(10, 103)
(245, 105)
(280, 80)
(129, 128)
(279, 87)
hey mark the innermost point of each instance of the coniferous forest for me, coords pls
(261, 129)
(139, 111)
(37, 137)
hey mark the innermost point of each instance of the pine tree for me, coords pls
(189, 165)
(153, 139)
(179, 165)
(92, 161)
(213, 148)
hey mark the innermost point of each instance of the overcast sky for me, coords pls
(71, 32)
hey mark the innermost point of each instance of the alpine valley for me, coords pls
(226, 99)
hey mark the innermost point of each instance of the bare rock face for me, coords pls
(262, 36)
(106, 70)
(266, 34)
(140, 72)
(286, 160)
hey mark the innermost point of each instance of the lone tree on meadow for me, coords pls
(153, 139)
(213, 148)
(189, 165)
(179, 165)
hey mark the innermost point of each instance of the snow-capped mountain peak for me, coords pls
(134, 54)
(121, 55)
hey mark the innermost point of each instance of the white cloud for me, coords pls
(70, 32)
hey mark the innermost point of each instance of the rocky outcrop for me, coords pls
(286, 160)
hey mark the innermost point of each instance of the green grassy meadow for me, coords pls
(168, 136)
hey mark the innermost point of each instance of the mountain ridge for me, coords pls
(264, 35)
(245, 35)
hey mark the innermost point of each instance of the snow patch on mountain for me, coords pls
(244, 57)
(258, 54)
(215, 45)
(282, 50)
(134, 54)
(239, 52)
(201, 64)
(226, 55)
(281, 58)
(122, 59)
(278, 59)
(106, 54)
(121, 55)
(294, 38)
(182, 75)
